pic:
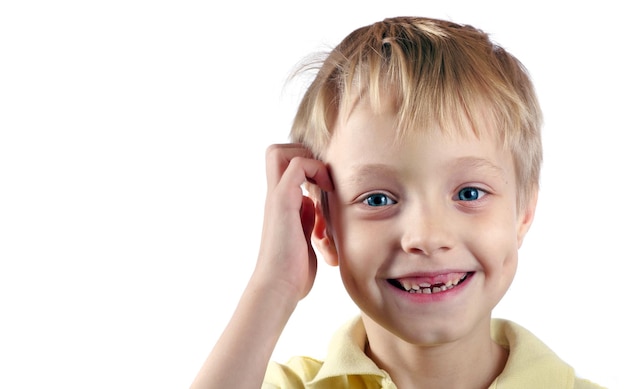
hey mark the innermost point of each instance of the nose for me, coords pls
(426, 231)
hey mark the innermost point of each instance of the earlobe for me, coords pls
(526, 217)
(322, 237)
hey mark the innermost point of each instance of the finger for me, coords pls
(307, 216)
(301, 169)
(278, 157)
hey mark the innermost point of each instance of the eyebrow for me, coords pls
(362, 173)
(478, 163)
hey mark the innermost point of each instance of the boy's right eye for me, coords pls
(378, 200)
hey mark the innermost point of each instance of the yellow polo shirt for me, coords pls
(531, 364)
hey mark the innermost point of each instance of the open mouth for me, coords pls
(415, 285)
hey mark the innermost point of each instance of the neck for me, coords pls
(473, 361)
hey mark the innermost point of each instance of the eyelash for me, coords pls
(388, 200)
(481, 193)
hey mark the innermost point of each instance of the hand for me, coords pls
(283, 275)
(287, 260)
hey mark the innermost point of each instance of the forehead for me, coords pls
(369, 139)
(363, 112)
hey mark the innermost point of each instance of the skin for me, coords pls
(284, 273)
(395, 212)
(427, 209)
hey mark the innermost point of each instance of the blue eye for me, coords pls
(470, 194)
(378, 200)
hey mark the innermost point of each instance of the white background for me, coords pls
(132, 141)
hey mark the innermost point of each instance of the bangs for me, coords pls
(425, 110)
(438, 75)
(433, 82)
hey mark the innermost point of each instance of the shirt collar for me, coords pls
(346, 354)
(531, 364)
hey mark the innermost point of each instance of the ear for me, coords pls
(322, 237)
(526, 216)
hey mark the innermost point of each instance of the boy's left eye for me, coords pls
(470, 193)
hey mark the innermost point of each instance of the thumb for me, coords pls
(307, 216)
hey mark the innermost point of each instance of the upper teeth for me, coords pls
(424, 287)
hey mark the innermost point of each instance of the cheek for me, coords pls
(494, 248)
(494, 243)
(360, 249)
(498, 260)
(357, 245)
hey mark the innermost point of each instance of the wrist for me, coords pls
(276, 295)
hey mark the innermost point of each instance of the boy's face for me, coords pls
(426, 230)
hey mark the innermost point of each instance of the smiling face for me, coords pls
(425, 230)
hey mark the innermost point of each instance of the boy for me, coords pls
(419, 143)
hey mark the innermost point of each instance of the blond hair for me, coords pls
(440, 75)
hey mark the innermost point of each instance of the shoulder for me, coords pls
(531, 362)
(309, 373)
(346, 365)
(582, 383)
(293, 374)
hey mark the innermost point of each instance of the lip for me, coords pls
(435, 280)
